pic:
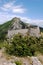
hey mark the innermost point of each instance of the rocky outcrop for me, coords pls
(3, 60)
(17, 24)
(35, 61)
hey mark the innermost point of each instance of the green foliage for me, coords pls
(41, 29)
(20, 45)
(4, 29)
(24, 45)
(1, 44)
(18, 63)
(8, 25)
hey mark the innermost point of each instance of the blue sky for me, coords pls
(30, 11)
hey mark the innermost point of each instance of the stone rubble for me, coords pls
(25, 60)
(35, 61)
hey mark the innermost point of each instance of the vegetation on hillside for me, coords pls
(6, 26)
(24, 45)
(20, 45)
(41, 29)
(4, 29)
(18, 63)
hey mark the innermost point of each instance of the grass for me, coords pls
(1, 45)
(18, 63)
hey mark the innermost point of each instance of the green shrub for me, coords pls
(24, 45)
(18, 63)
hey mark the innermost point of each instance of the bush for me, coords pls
(24, 45)
(18, 63)
(1, 44)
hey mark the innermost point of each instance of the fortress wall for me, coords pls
(12, 32)
(31, 31)
(34, 31)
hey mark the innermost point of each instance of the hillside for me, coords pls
(20, 50)
(9, 25)
(41, 29)
(15, 23)
(4, 28)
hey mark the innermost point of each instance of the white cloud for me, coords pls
(13, 8)
(33, 21)
(18, 9)
(5, 17)
(8, 5)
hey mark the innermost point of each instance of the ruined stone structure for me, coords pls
(33, 31)
(20, 27)
(13, 32)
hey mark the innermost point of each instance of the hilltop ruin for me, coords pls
(21, 27)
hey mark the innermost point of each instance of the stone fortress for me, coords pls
(18, 27)
(34, 31)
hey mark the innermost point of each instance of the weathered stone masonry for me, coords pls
(32, 32)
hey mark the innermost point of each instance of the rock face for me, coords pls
(3, 60)
(35, 61)
(17, 24)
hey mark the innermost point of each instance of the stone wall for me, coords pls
(32, 32)
(13, 32)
